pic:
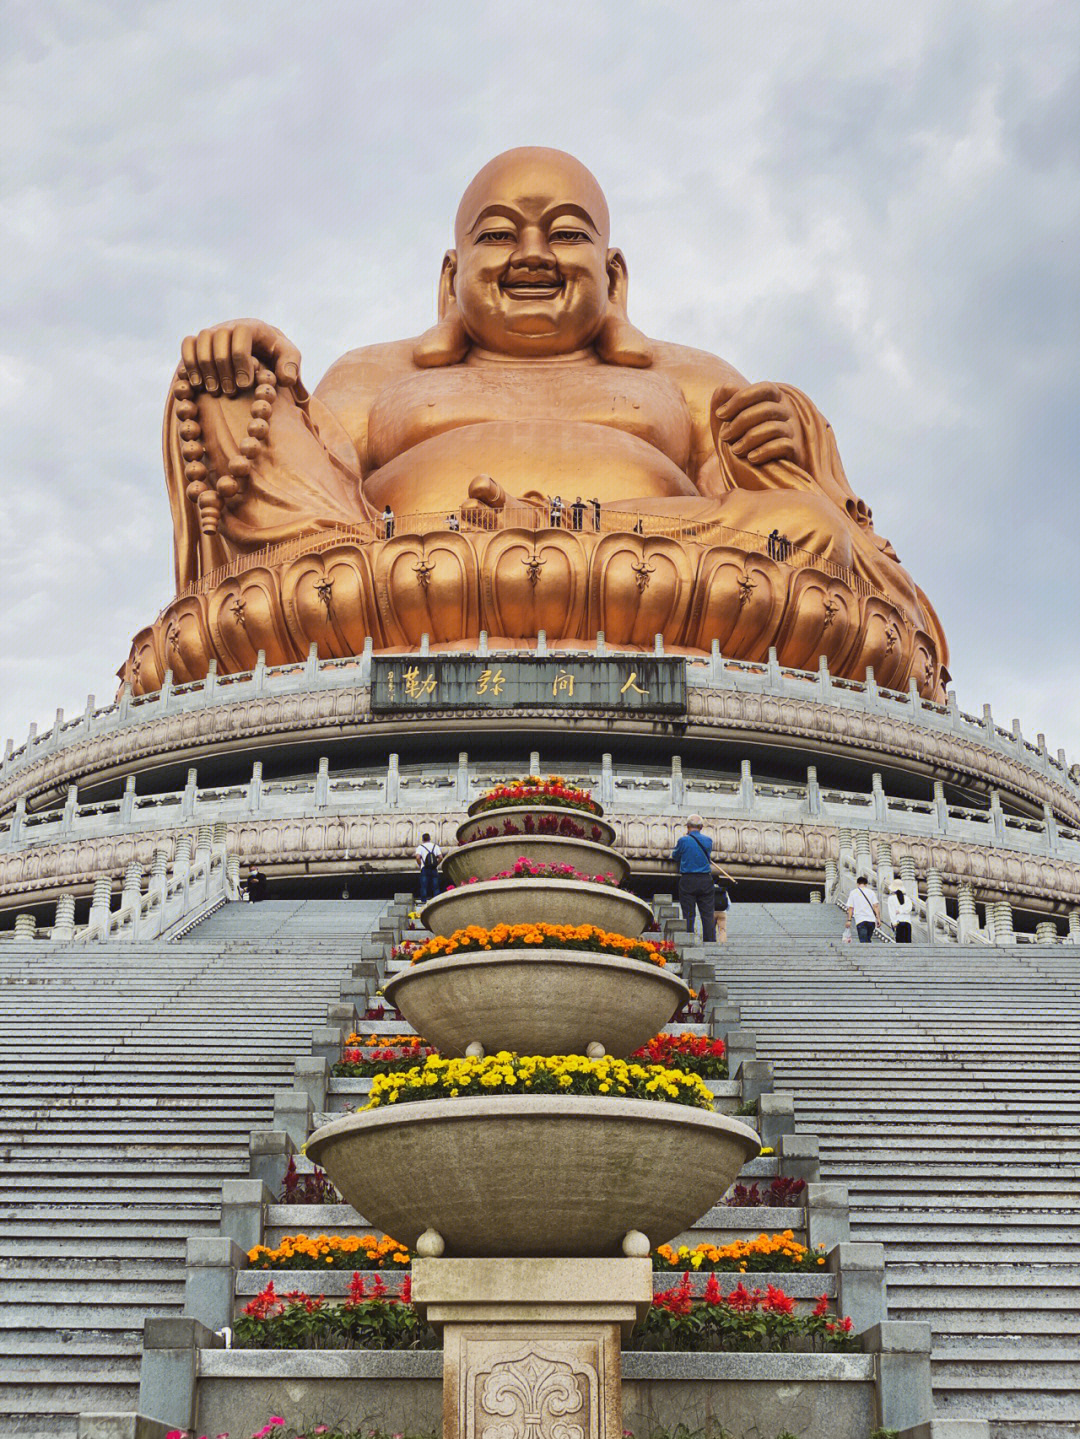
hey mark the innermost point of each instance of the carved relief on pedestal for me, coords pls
(534, 580)
(329, 601)
(427, 585)
(538, 1391)
(639, 587)
(821, 617)
(246, 617)
(738, 601)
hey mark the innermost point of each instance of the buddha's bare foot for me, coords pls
(488, 491)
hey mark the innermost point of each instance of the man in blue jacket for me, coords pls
(694, 854)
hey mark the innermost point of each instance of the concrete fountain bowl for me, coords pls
(537, 819)
(535, 901)
(537, 1001)
(533, 1175)
(486, 857)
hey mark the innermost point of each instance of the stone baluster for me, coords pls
(886, 873)
(392, 786)
(64, 923)
(131, 891)
(716, 664)
(907, 875)
(824, 677)
(997, 814)
(935, 908)
(846, 860)
(864, 860)
(1046, 932)
(254, 789)
(877, 799)
(182, 857)
(25, 927)
(311, 664)
(258, 674)
(210, 682)
(541, 643)
(18, 819)
(607, 781)
(127, 804)
(219, 837)
(832, 881)
(158, 870)
(746, 786)
(322, 783)
(813, 791)
(191, 793)
(534, 761)
(71, 804)
(815, 896)
(481, 644)
(204, 839)
(461, 786)
(772, 669)
(658, 644)
(232, 877)
(941, 808)
(1003, 922)
(101, 903)
(968, 922)
(678, 784)
(1051, 828)
(1074, 926)
(872, 693)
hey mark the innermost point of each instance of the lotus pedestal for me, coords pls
(531, 1346)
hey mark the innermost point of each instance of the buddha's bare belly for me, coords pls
(544, 457)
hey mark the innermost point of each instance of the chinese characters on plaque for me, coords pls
(649, 683)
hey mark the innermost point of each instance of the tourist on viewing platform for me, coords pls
(555, 512)
(901, 912)
(428, 855)
(577, 514)
(694, 855)
(721, 902)
(774, 545)
(256, 885)
(862, 907)
(453, 523)
(387, 523)
(595, 514)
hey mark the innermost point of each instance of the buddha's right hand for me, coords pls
(224, 358)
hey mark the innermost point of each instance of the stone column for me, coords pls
(968, 923)
(204, 839)
(935, 908)
(1003, 923)
(1046, 932)
(219, 836)
(815, 896)
(832, 880)
(64, 923)
(158, 867)
(746, 786)
(530, 1341)
(886, 874)
(131, 892)
(864, 860)
(101, 902)
(232, 877)
(25, 927)
(254, 789)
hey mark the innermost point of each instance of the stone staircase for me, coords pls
(942, 1083)
(131, 1076)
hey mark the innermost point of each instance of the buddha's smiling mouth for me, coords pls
(544, 289)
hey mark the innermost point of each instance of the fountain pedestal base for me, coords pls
(531, 1346)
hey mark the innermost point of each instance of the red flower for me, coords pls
(778, 1302)
(406, 1289)
(357, 1289)
(712, 1291)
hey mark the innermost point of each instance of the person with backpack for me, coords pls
(428, 855)
(862, 907)
(694, 855)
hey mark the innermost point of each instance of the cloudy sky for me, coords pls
(877, 203)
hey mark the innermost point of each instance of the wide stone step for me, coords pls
(82, 1393)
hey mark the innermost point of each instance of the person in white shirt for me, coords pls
(428, 855)
(901, 913)
(862, 907)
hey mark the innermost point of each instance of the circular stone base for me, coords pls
(537, 901)
(487, 857)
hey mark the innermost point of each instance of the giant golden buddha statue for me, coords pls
(531, 463)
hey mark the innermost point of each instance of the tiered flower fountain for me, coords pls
(542, 1165)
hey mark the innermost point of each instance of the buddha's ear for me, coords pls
(619, 342)
(446, 343)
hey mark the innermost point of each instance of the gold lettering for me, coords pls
(493, 680)
(415, 687)
(563, 681)
(631, 685)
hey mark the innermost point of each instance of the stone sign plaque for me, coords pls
(653, 684)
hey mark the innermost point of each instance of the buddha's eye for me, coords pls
(568, 237)
(496, 237)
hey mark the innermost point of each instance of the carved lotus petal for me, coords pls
(739, 600)
(144, 670)
(884, 641)
(639, 587)
(428, 584)
(185, 639)
(534, 581)
(246, 617)
(329, 601)
(822, 617)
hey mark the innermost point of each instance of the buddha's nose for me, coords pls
(532, 251)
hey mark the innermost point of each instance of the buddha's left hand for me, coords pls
(757, 423)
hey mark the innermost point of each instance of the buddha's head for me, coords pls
(532, 275)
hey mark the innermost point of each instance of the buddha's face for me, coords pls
(531, 272)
